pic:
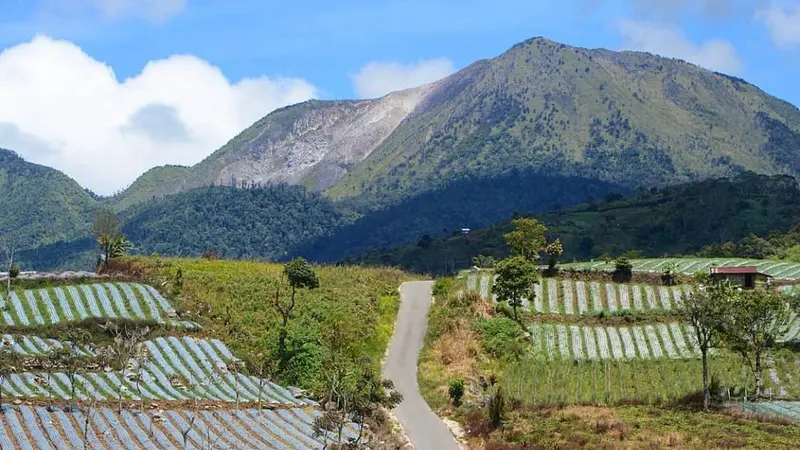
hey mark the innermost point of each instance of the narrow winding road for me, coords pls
(425, 430)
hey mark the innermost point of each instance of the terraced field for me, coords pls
(173, 374)
(619, 343)
(29, 427)
(689, 266)
(556, 296)
(71, 303)
(177, 369)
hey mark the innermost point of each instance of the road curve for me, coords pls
(425, 430)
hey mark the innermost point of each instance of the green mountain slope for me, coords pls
(40, 205)
(682, 219)
(632, 119)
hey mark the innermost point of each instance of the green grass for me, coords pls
(232, 300)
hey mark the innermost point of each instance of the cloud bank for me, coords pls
(64, 109)
(670, 41)
(782, 19)
(377, 79)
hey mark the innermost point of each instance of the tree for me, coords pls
(119, 246)
(705, 311)
(70, 359)
(9, 363)
(754, 322)
(9, 253)
(106, 229)
(127, 340)
(554, 250)
(527, 239)
(301, 276)
(515, 279)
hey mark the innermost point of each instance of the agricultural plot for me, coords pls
(570, 297)
(784, 410)
(673, 341)
(176, 369)
(30, 427)
(70, 303)
(689, 266)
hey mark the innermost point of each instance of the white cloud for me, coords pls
(669, 41)
(783, 22)
(64, 109)
(376, 79)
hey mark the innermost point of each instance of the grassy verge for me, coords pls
(575, 404)
(233, 300)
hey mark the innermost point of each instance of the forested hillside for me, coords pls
(40, 205)
(676, 220)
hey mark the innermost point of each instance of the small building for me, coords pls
(747, 277)
(465, 231)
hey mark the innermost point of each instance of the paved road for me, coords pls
(423, 427)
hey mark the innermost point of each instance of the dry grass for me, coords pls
(456, 349)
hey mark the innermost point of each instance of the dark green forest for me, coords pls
(747, 216)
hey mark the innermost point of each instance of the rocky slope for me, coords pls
(313, 143)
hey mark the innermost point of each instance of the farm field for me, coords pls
(58, 304)
(571, 297)
(39, 427)
(662, 381)
(177, 369)
(689, 266)
(784, 410)
(180, 390)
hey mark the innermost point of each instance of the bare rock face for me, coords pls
(317, 147)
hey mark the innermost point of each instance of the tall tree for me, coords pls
(515, 279)
(106, 229)
(300, 275)
(527, 239)
(754, 322)
(705, 311)
(9, 250)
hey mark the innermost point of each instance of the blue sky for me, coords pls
(111, 63)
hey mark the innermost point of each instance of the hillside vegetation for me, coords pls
(233, 300)
(672, 221)
(40, 205)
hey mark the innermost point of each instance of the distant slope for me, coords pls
(40, 205)
(676, 220)
(632, 119)
(312, 143)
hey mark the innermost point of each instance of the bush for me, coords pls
(484, 262)
(456, 391)
(496, 406)
(443, 287)
(503, 308)
(500, 336)
(623, 269)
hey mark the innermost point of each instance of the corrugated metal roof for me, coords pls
(736, 270)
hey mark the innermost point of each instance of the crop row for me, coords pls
(175, 369)
(63, 304)
(689, 266)
(570, 297)
(786, 410)
(29, 427)
(621, 343)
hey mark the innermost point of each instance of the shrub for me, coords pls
(443, 287)
(668, 274)
(496, 407)
(456, 391)
(504, 309)
(13, 271)
(500, 336)
(484, 262)
(623, 269)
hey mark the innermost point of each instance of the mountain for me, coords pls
(719, 217)
(312, 144)
(627, 118)
(40, 205)
(541, 125)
